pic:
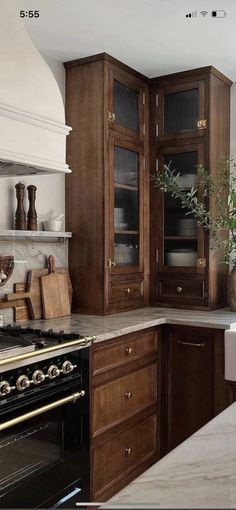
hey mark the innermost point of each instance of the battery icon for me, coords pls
(218, 14)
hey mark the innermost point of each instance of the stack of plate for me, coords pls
(184, 257)
(187, 227)
(188, 180)
(119, 218)
(125, 254)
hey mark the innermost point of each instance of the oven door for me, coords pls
(44, 456)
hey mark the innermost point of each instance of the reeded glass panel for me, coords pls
(181, 111)
(126, 207)
(126, 106)
(180, 231)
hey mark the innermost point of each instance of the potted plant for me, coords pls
(213, 204)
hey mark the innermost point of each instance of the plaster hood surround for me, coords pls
(32, 116)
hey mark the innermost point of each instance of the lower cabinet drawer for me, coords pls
(125, 291)
(114, 458)
(125, 350)
(117, 400)
(182, 289)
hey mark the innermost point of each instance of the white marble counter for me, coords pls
(119, 324)
(200, 473)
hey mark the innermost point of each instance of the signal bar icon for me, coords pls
(204, 13)
(191, 14)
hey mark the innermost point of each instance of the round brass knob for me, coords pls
(128, 451)
(128, 395)
(53, 371)
(38, 377)
(5, 388)
(128, 350)
(179, 289)
(22, 383)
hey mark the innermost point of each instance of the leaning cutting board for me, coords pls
(33, 294)
(54, 291)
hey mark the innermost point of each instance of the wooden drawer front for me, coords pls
(125, 291)
(115, 401)
(125, 350)
(182, 289)
(118, 455)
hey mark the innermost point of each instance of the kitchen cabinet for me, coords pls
(196, 389)
(126, 399)
(190, 116)
(107, 201)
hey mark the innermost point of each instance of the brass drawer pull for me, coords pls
(127, 290)
(128, 451)
(192, 344)
(128, 395)
(179, 289)
(128, 350)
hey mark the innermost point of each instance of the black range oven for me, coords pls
(44, 432)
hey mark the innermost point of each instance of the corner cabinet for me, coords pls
(107, 197)
(190, 115)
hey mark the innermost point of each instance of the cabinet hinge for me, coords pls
(144, 128)
(156, 129)
(201, 262)
(157, 256)
(156, 99)
(144, 98)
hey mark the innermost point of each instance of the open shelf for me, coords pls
(34, 236)
(126, 186)
(130, 232)
(180, 238)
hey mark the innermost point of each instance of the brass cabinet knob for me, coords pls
(128, 451)
(127, 290)
(179, 289)
(128, 350)
(128, 395)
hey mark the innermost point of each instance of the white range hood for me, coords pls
(32, 116)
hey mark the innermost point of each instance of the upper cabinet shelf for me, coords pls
(34, 236)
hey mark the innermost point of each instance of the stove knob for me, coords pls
(67, 367)
(22, 382)
(5, 388)
(53, 371)
(38, 377)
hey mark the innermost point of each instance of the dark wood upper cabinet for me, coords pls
(107, 194)
(127, 99)
(190, 125)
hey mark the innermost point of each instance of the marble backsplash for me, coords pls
(29, 255)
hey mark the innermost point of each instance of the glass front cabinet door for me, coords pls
(181, 238)
(181, 111)
(126, 105)
(126, 172)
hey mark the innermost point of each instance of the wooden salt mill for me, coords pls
(20, 216)
(32, 215)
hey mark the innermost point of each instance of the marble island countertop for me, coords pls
(200, 473)
(111, 326)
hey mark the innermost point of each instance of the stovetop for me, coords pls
(20, 339)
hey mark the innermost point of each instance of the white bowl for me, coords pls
(52, 225)
(182, 258)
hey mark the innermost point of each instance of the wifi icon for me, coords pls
(204, 13)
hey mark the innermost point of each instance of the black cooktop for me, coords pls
(17, 337)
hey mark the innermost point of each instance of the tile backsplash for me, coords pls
(29, 255)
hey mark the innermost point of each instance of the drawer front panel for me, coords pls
(121, 453)
(124, 351)
(115, 401)
(125, 291)
(180, 289)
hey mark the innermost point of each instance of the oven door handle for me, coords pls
(20, 419)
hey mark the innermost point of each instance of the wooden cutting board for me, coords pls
(33, 294)
(54, 291)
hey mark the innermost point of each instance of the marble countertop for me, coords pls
(200, 473)
(110, 326)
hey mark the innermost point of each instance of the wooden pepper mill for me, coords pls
(20, 216)
(32, 215)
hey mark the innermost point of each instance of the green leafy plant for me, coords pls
(213, 203)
